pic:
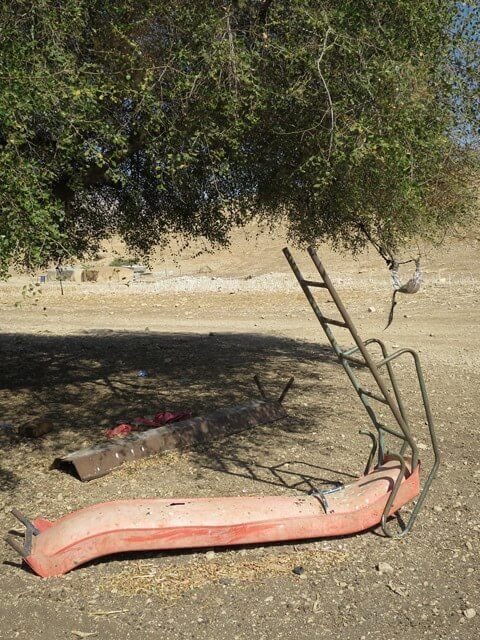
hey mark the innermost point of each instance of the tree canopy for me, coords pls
(343, 119)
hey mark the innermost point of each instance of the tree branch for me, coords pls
(329, 97)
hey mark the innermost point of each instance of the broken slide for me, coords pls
(54, 548)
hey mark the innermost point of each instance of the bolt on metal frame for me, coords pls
(393, 402)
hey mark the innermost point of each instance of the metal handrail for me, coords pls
(431, 428)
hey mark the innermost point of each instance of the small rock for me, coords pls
(298, 571)
(210, 555)
(384, 567)
(371, 309)
(36, 429)
(469, 613)
(400, 591)
(438, 508)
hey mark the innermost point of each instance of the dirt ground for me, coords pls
(201, 328)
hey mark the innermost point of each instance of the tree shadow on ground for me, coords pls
(86, 383)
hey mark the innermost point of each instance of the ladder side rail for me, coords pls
(391, 375)
(393, 495)
(370, 411)
(368, 360)
(312, 301)
(338, 352)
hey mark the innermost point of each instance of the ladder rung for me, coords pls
(348, 352)
(313, 283)
(364, 392)
(337, 323)
(352, 359)
(392, 431)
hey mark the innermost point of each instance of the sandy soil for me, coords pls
(201, 327)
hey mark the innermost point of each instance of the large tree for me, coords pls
(345, 119)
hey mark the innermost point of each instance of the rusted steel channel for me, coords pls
(99, 460)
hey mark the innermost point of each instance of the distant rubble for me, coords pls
(101, 274)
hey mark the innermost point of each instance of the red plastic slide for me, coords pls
(53, 548)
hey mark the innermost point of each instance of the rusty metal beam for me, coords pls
(97, 461)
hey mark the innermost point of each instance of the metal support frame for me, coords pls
(392, 400)
(283, 393)
(31, 530)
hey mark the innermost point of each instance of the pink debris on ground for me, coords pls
(159, 420)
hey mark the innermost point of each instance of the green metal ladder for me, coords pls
(350, 361)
